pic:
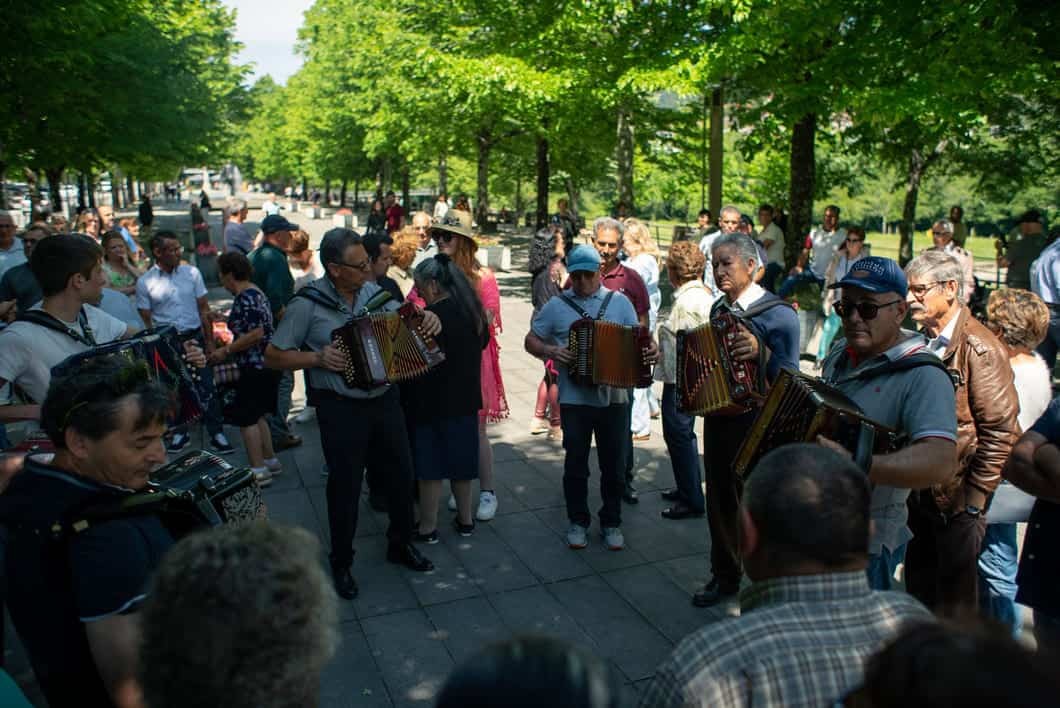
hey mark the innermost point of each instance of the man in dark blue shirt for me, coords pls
(1034, 467)
(74, 589)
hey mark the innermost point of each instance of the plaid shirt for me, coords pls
(801, 641)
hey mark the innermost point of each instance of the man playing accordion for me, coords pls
(769, 334)
(588, 410)
(896, 382)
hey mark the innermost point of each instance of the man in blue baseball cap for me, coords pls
(587, 410)
(890, 373)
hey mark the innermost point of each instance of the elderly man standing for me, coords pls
(11, 253)
(896, 382)
(421, 222)
(809, 619)
(948, 520)
(728, 223)
(942, 234)
(237, 238)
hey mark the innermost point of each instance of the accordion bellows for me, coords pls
(798, 409)
(609, 354)
(709, 381)
(386, 347)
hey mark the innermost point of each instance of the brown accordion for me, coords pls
(709, 381)
(609, 354)
(798, 409)
(386, 347)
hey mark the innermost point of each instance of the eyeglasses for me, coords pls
(866, 310)
(942, 233)
(855, 240)
(356, 266)
(919, 291)
(446, 236)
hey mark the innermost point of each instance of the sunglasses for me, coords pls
(866, 310)
(446, 236)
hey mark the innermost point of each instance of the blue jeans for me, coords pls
(680, 434)
(998, 562)
(882, 566)
(828, 333)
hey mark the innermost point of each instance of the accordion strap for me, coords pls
(906, 363)
(49, 321)
(581, 311)
(315, 296)
(376, 301)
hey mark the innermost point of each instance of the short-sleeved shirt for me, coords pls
(626, 281)
(12, 256)
(250, 310)
(1039, 571)
(172, 298)
(919, 402)
(273, 275)
(28, 351)
(238, 239)
(823, 245)
(775, 252)
(552, 324)
(303, 278)
(309, 324)
(117, 305)
(55, 588)
(425, 252)
(19, 284)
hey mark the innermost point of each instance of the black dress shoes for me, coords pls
(409, 556)
(629, 494)
(345, 585)
(680, 510)
(713, 593)
(671, 495)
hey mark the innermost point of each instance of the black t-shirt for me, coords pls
(453, 388)
(55, 587)
(1039, 571)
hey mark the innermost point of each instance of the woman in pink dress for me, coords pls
(454, 238)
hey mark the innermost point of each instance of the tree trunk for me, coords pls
(624, 160)
(482, 186)
(342, 193)
(379, 180)
(327, 192)
(803, 175)
(387, 177)
(543, 174)
(89, 190)
(305, 189)
(3, 185)
(130, 193)
(572, 196)
(918, 164)
(115, 189)
(443, 175)
(356, 193)
(406, 200)
(55, 186)
(717, 150)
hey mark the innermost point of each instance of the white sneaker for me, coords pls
(275, 467)
(487, 506)
(576, 537)
(613, 538)
(452, 503)
(263, 477)
(307, 415)
(538, 426)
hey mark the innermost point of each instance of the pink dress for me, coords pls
(494, 402)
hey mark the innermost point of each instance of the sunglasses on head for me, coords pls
(866, 310)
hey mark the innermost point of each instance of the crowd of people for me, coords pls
(810, 543)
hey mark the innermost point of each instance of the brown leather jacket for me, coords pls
(987, 407)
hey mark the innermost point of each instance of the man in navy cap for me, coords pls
(273, 276)
(890, 373)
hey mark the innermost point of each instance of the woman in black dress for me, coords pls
(442, 406)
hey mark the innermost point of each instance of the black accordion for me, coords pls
(386, 347)
(798, 409)
(163, 352)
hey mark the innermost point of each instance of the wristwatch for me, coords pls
(973, 510)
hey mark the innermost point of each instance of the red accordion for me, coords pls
(386, 347)
(609, 354)
(709, 381)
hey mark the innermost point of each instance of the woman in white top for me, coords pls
(1020, 319)
(644, 259)
(441, 207)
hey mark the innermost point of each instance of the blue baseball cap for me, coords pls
(274, 222)
(875, 274)
(583, 259)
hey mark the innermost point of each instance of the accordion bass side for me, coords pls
(709, 381)
(386, 347)
(798, 409)
(609, 354)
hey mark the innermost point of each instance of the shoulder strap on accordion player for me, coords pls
(581, 311)
(49, 321)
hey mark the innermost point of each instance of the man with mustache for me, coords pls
(889, 372)
(948, 520)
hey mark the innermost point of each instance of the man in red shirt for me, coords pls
(395, 213)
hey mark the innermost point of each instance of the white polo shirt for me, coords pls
(172, 298)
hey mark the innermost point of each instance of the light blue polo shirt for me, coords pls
(552, 324)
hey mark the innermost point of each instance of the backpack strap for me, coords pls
(763, 304)
(912, 361)
(49, 321)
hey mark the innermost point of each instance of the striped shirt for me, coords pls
(801, 641)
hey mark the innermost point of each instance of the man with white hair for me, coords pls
(948, 520)
(237, 238)
(942, 235)
(421, 221)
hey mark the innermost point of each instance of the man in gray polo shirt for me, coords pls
(350, 419)
(890, 374)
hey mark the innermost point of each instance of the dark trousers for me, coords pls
(348, 429)
(679, 432)
(628, 465)
(769, 280)
(722, 436)
(942, 562)
(610, 425)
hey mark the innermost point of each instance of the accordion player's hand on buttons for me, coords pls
(651, 353)
(193, 354)
(744, 345)
(560, 354)
(332, 359)
(431, 326)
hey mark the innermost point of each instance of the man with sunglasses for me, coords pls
(351, 420)
(948, 520)
(889, 372)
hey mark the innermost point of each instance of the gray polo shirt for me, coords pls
(919, 402)
(307, 324)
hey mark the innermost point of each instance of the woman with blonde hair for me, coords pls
(403, 252)
(88, 223)
(643, 254)
(120, 273)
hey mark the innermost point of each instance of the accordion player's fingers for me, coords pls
(560, 354)
(833, 445)
(745, 345)
(650, 353)
(431, 325)
(332, 358)
(194, 355)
